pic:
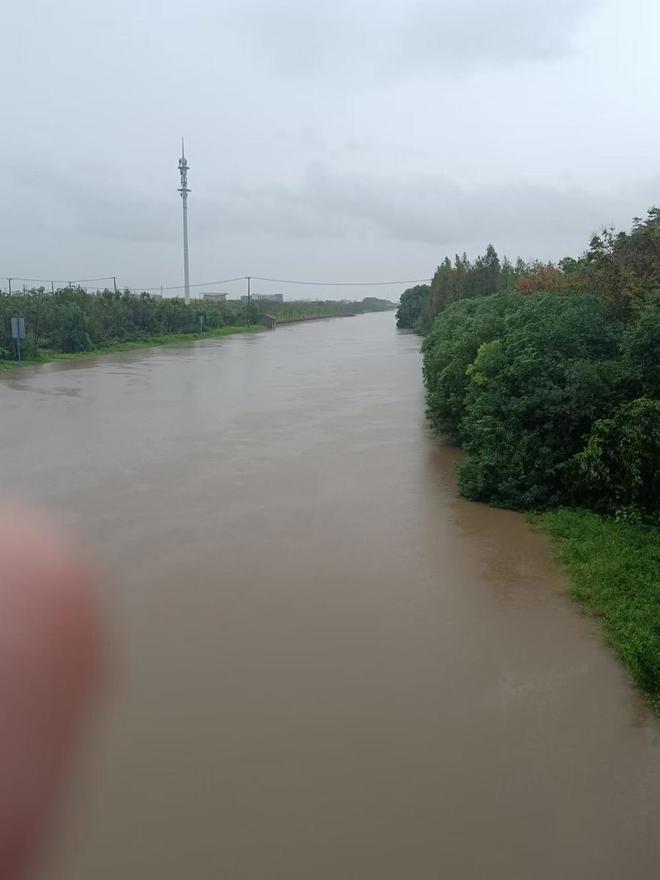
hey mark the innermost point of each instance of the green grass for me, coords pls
(46, 356)
(614, 569)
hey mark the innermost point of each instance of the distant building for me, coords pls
(267, 321)
(265, 297)
(156, 296)
(215, 297)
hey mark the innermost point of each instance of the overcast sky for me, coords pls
(356, 140)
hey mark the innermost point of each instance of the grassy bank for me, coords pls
(128, 345)
(614, 569)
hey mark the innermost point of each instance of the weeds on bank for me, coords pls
(614, 568)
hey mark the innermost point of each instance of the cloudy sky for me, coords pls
(356, 140)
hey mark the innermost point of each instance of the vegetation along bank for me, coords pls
(549, 376)
(73, 321)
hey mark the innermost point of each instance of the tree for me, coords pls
(541, 278)
(462, 280)
(624, 268)
(507, 281)
(410, 308)
(489, 270)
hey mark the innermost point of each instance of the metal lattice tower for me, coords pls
(183, 170)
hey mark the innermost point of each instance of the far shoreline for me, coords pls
(49, 357)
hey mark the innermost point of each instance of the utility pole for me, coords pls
(114, 282)
(52, 287)
(249, 294)
(183, 170)
(9, 280)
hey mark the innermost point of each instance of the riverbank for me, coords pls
(614, 571)
(46, 357)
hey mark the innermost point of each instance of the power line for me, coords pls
(89, 280)
(298, 282)
(111, 277)
(60, 280)
(343, 283)
(202, 284)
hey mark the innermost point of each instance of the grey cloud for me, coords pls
(328, 204)
(477, 33)
(429, 210)
(89, 201)
(381, 40)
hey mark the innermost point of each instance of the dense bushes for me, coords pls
(553, 392)
(619, 468)
(536, 389)
(533, 394)
(72, 320)
(449, 350)
(641, 348)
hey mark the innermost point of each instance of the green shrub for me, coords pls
(451, 347)
(411, 305)
(71, 329)
(641, 347)
(620, 466)
(520, 381)
(533, 396)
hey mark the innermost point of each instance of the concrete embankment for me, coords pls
(271, 321)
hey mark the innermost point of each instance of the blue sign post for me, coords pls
(18, 333)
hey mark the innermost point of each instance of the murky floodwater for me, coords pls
(327, 665)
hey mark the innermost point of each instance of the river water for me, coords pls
(326, 664)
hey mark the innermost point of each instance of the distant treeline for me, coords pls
(623, 268)
(549, 374)
(73, 320)
(324, 308)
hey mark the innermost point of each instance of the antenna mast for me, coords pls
(183, 170)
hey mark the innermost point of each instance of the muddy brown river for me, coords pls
(326, 665)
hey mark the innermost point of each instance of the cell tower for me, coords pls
(183, 170)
